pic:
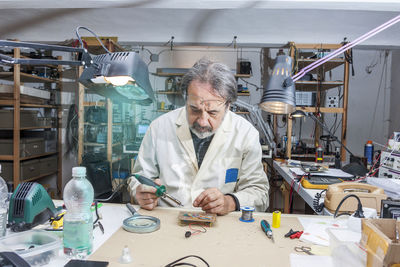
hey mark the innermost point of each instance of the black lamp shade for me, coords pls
(279, 96)
(98, 77)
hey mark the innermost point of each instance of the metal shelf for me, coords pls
(327, 66)
(311, 86)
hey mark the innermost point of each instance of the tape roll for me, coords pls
(276, 219)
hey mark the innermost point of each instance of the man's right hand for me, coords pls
(146, 196)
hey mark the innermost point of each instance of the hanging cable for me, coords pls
(98, 39)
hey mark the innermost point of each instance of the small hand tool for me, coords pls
(161, 190)
(296, 235)
(267, 229)
(291, 232)
(304, 249)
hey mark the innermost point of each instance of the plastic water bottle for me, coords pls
(78, 220)
(3, 205)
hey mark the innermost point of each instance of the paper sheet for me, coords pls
(310, 261)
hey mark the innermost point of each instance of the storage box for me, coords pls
(28, 147)
(29, 169)
(50, 146)
(48, 165)
(25, 90)
(379, 239)
(37, 247)
(28, 118)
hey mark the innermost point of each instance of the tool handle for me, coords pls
(266, 228)
(131, 208)
(143, 180)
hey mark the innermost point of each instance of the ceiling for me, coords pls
(255, 23)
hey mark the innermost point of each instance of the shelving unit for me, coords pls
(17, 103)
(320, 86)
(162, 72)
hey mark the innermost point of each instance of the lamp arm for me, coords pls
(256, 112)
(347, 46)
(327, 129)
(84, 58)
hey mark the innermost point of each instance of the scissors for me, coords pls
(304, 249)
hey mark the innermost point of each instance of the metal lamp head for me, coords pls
(279, 95)
(298, 114)
(121, 76)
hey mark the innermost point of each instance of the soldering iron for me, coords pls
(161, 190)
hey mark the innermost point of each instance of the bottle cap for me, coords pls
(78, 171)
(369, 142)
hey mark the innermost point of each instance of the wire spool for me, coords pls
(247, 214)
(276, 219)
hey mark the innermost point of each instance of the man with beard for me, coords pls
(205, 155)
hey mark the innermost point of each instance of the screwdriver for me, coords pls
(267, 229)
(161, 190)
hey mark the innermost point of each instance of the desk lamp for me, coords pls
(279, 95)
(121, 76)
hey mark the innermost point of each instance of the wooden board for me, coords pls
(229, 242)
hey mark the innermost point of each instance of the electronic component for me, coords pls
(390, 208)
(332, 102)
(200, 218)
(305, 98)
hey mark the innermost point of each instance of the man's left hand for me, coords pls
(212, 200)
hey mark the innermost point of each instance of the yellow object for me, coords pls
(162, 105)
(276, 219)
(370, 196)
(306, 184)
(58, 221)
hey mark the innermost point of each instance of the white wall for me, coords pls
(394, 124)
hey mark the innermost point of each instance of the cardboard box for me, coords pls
(379, 240)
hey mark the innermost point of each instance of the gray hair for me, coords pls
(216, 74)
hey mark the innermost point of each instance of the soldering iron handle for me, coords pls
(146, 181)
(160, 188)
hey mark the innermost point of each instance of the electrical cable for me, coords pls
(359, 212)
(178, 263)
(98, 39)
(318, 207)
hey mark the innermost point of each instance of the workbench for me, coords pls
(229, 242)
(307, 195)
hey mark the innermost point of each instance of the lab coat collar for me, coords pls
(184, 136)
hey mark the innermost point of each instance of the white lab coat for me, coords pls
(167, 152)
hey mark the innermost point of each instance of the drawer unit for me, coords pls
(28, 118)
(28, 169)
(28, 147)
(48, 165)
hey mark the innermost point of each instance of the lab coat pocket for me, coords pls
(231, 168)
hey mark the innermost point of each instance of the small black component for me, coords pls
(188, 234)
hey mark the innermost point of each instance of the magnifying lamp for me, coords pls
(279, 95)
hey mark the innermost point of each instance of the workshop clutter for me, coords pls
(380, 237)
